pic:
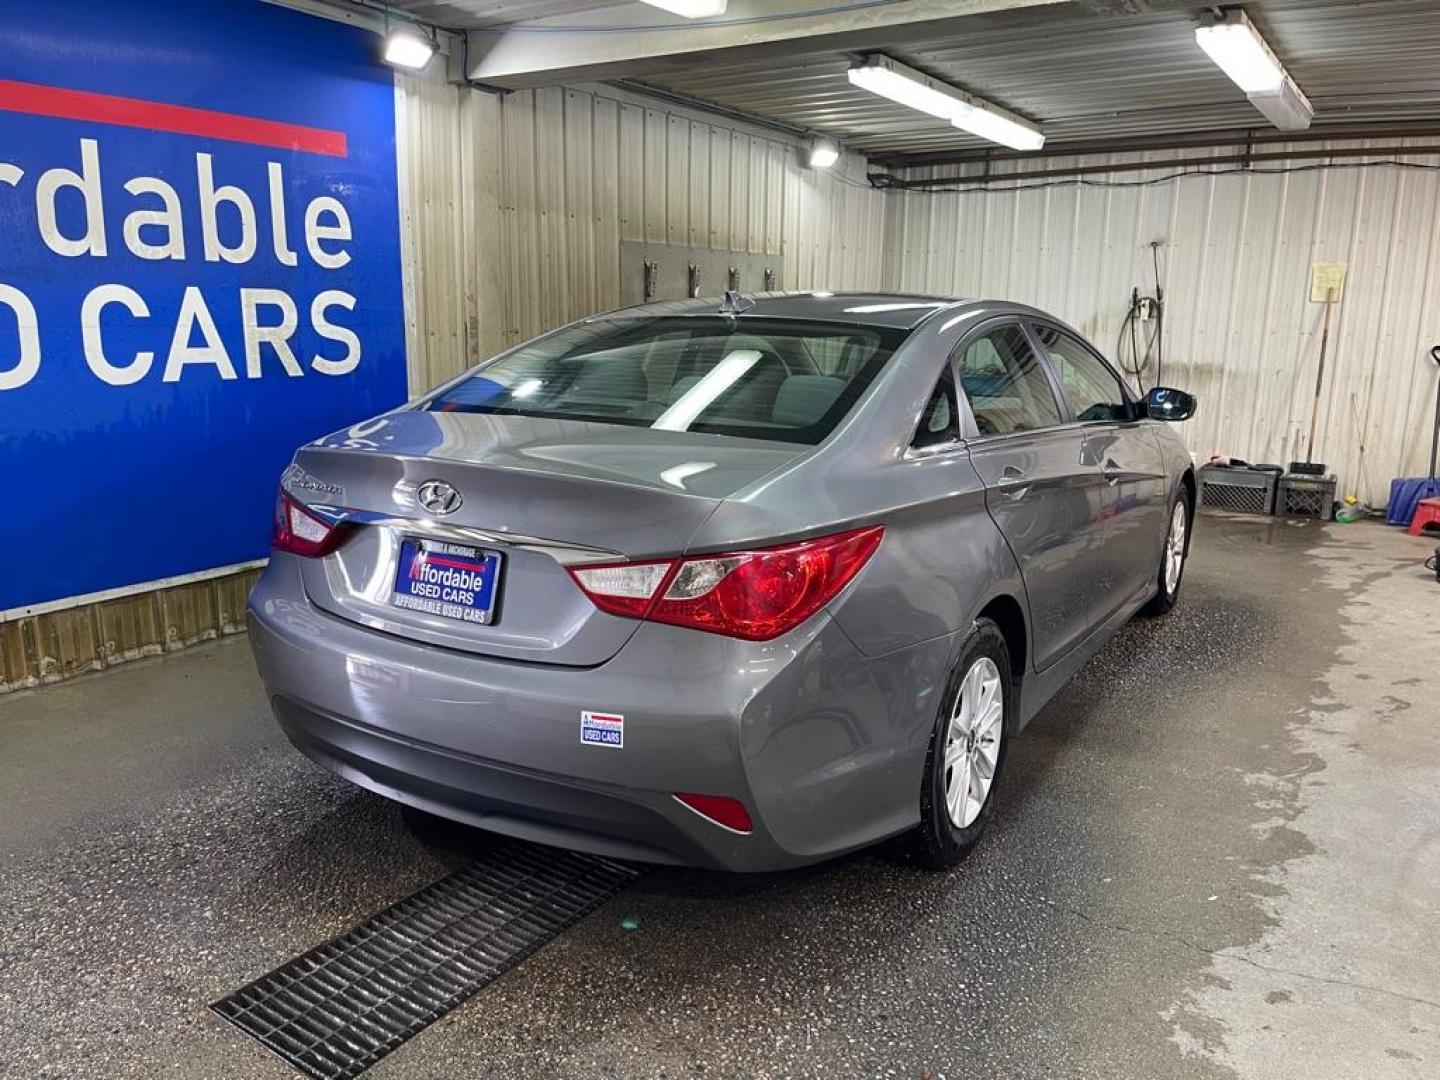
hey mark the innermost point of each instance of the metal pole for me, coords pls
(1319, 378)
(1435, 435)
(1360, 435)
(1159, 314)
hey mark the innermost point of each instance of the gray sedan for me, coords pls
(743, 584)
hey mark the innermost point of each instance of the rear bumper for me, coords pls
(824, 746)
(532, 806)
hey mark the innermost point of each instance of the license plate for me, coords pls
(450, 580)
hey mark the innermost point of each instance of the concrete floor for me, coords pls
(1217, 854)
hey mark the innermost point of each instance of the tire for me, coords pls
(945, 836)
(1167, 589)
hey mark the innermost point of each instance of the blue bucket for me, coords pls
(1405, 496)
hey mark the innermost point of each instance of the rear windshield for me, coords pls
(761, 379)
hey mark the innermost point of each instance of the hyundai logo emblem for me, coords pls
(438, 497)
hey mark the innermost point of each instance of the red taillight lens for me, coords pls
(300, 532)
(759, 595)
(720, 809)
(754, 595)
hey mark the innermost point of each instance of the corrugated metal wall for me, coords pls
(517, 207)
(513, 210)
(1241, 331)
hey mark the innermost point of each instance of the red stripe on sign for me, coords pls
(440, 560)
(65, 104)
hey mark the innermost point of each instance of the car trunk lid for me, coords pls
(544, 494)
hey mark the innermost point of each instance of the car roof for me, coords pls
(903, 311)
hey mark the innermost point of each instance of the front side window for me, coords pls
(1005, 384)
(785, 380)
(1094, 391)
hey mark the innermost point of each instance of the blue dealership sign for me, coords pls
(199, 270)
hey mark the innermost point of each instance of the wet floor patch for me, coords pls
(336, 1010)
(1342, 978)
(1214, 856)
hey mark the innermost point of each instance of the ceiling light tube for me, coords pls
(891, 79)
(690, 9)
(1241, 53)
(1000, 127)
(1237, 49)
(1288, 109)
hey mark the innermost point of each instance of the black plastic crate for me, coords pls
(1246, 491)
(1306, 496)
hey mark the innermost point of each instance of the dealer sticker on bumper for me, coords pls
(602, 729)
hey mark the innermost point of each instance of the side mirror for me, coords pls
(1167, 403)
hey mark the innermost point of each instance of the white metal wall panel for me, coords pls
(430, 115)
(517, 206)
(1240, 330)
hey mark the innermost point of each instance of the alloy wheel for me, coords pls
(972, 742)
(1175, 548)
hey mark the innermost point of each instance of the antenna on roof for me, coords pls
(734, 303)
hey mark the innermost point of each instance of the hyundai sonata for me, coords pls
(743, 584)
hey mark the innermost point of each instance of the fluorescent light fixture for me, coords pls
(914, 89)
(690, 9)
(998, 128)
(1288, 109)
(824, 153)
(900, 83)
(408, 49)
(1237, 49)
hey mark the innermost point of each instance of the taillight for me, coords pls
(754, 595)
(625, 588)
(300, 532)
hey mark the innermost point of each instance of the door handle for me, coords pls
(1012, 482)
(1112, 471)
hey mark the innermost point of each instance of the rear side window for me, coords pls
(1094, 391)
(1005, 384)
(938, 422)
(784, 380)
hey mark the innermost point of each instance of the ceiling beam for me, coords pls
(623, 43)
(373, 19)
(1117, 7)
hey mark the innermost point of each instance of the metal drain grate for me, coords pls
(339, 1008)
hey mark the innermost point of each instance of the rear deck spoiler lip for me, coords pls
(563, 552)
